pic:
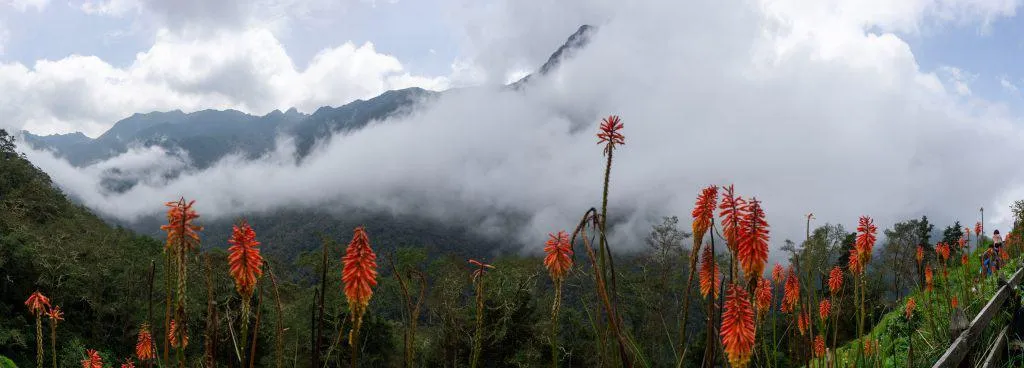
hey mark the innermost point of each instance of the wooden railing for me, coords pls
(970, 337)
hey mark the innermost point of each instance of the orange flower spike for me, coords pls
(866, 236)
(709, 271)
(92, 359)
(778, 274)
(128, 363)
(55, 314)
(979, 228)
(962, 241)
(854, 264)
(609, 133)
(791, 292)
(943, 250)
(144, 346)
(753, 246)
(870, 346)
(738, 329)
(360, 270)
(703, 213)
(963, 260)
(928, 279)
(835, 280)
(824, 308)
(763, 295)
(920, 254)
(954, 302)
(732, 212)
(819, 346)
(1003, 254)
(37, 303)
(803, 322)
(172, 335)
(559, 255)
(909, 310)
(179, 228)
(244, 259)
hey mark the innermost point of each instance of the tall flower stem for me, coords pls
(554, 323)
(39, 340)
(149, 302)
(167, 304)
(478, 334)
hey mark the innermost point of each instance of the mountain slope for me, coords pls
(209, 135)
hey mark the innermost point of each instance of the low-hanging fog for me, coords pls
(799, 106)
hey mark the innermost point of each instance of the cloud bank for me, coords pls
(800, 106)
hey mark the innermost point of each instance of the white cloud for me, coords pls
(808, 114)
(1009, 86)
(248, 71)
(196, 17)
(959, 79)
(24, 5)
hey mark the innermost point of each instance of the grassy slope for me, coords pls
(932, 316)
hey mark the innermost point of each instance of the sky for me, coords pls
(842, 108)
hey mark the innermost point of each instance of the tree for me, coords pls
(666, 240)
(952, 234)
(923, 231)
(900, 250)
(7, 144)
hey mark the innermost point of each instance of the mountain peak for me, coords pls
(576, 41)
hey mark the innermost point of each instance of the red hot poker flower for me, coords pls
(244, 259)
(909, 310)
(943, 251)
(128, 363)
(559, 255)
(979, 228)
(928, 279)
(359, 272)
(179, 228)
(855, 265)
(824, 308)
(55, 314)
(920, 254)
(835, 280)
(92, 359)
(803, 321)
(738, 329)
(37, 303)
(791, 292)
(144, 346)
(819, 346)
(753, 246)
(963, 259)
(173, 334)
(703, 213)
(866, 237)
(763, 296)
(732, 212)
(609, 133)
(953, 302)
(710, 277)
(778, 273)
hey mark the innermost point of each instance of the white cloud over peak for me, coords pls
(248, 71)
(808, 115)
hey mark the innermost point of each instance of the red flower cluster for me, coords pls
(609, 133)
(710, 277)
(180, 229)
(559, 255)
(703, 213)
(738, 329)
(244, 259)
(835, 280)
(909, 310)
(359, 272)
(763, 295)
(753, 246)
(732, 212)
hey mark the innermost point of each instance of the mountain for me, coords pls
(209, 135)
